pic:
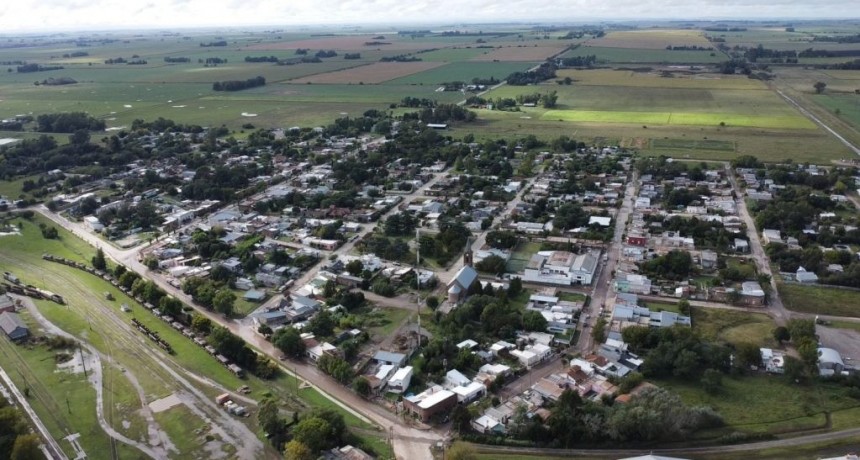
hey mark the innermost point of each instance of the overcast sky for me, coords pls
(16, 15)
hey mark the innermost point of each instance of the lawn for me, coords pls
(820, 300)
(384, 321)
(521, 255)
(732, 326)
(662, 306)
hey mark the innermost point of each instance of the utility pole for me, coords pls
(83, 361)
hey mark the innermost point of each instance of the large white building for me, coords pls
(561, 268)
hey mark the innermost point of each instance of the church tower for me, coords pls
(467, 255)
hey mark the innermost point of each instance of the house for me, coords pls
(561, 268)
(387, 357)
(600, 221)
(634, 284)
(458, 287)
(829, 361)
(93, 223)
(805, 277)
(254, 296)
(773, 361)
(708, 259)
(752, 293)
(6, 303)
(271, 318)
(637, 239)
(433, 401)
(399, 382)
(488, 424)
(316, 352)
(13, 327)
(771, 236)
(741, 245)
(346, 453)
(532, 354)
(467, 344)
(465, 389)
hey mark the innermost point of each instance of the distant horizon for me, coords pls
(45, 16)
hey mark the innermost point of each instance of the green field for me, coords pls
(690, 144)
(680, 118)
(848, 106)
(647, 56)
(820, 300)
(462, 71)
(733, 327)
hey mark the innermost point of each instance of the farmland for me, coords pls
(373, 73)
(607, 54)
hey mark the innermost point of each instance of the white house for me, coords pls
(399, 382)
(532, 354)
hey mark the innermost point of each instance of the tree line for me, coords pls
(238, 85)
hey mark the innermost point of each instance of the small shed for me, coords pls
(13, 327)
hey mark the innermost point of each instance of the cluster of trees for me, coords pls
(837, 38)
(17, 442)
(400, 224)
(214, 43)
(417, 102)
(238, 85)
(49, 232)
(578, 61)
(325, 54)
(75, 54)
(544, 72)
(261, 59)
(444, 245)
(387, 248)
(210, 294)
(142, 215)
(813, 259)
(303, 438)
(67, 122)
(213, 61)
(706, 234)
(675, 265)
(400, 58)
(502, 239)
(29, 68)
(176, 60)
(689, 48)
(442, 113)
(237, 351)
(352, 55)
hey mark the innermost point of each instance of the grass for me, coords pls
(647, 56)
(521, 255)
(572, 297)
(462, 71)
(820, 300)
(384, 321)
(762, 403)
(847, 105)
(693, 144)
(662, 306)
(733, 326)
(681, 118)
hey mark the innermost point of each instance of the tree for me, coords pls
(748, 354)
(297, 450)
(781, 334)
(99, 262)
(461, 451)
(224, 301)
(290, 342)
(801, 328)
(684, 307)
(461, 419)
(362, 386)
(267, 415)
(329, 289)
(598, 332)
(686, 364)
(355, 267)
(321, 325)
(313, 432)
(201, 323)
(515, 287)
(432, 302)
(712, 381)
(26, 447)
(492, 264)
(819, 87)
(534, 321)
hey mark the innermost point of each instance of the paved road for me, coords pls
(601, 289)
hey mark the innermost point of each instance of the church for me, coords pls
(458, 287)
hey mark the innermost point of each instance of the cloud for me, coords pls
(102, 14)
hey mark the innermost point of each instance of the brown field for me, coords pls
(352, 42)
(650, 39)
(378, 72)
(524, 53)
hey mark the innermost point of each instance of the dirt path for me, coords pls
(96, 378)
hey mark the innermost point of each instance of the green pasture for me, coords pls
(733, 327)
(647, 56)
(848, 106)
(462, 71)
(820, 299)
(681, 118)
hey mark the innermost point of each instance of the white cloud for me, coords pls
(101, 14)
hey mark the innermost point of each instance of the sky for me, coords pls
(47, 15)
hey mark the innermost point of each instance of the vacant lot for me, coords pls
(521, 53)
(373, 73)
(651, 39)
(820, 300)
(733, 326)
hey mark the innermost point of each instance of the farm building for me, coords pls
(13, 327)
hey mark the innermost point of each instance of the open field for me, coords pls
(521, 255)
(607, 54)
(359, 43)
(770, 404)
(680, 118)
(521, 53)
(463, 71)
(820, 300)
(733, 327)
(373, 73)
(651, 39)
